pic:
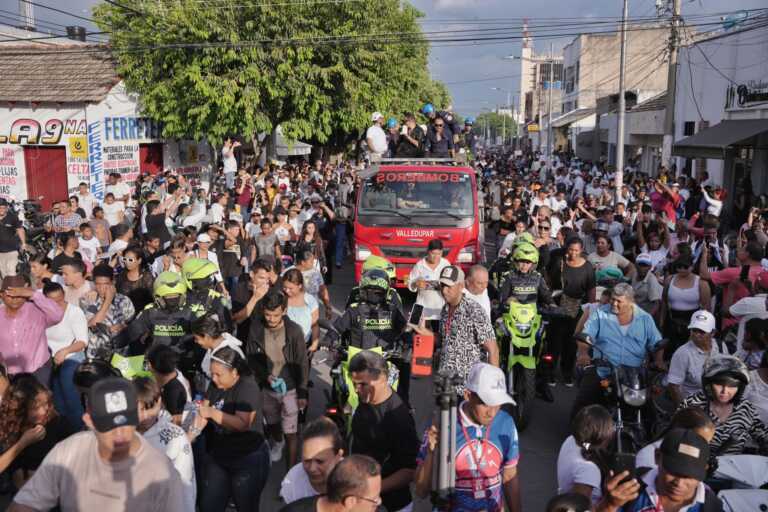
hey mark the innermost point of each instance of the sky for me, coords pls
(471, 71)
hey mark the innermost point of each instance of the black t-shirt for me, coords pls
(578, 280)
(30, 459)
(308, 504)
(9, 240)
(244, 396)
(508, 226)
(156, 227)
(387, 433)
(174, 396)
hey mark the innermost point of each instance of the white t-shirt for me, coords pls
(378, 139)
(295, 485)
(73, 327)
(687, 365)
(89, 248)
(112, 212)
(573, 468)
(171, 440)
(646, 457)
(482, 299)
(74, 461)
(119, 190)
(757, 393)
(431, 299)
(229, 160)
(612, 259)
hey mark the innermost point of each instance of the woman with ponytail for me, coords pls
(583, 460)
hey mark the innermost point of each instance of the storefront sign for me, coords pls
(12, 183)
(96, 169)
(751, 94)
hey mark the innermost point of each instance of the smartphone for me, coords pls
(416, 312)
(624, 462)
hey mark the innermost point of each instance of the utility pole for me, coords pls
(669, 112)
(622, 105)
(503, 127)
(549, 108)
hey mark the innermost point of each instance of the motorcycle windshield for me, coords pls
(633, 378)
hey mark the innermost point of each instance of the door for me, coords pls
(151, 158)
(46, 174)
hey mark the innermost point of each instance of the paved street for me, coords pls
(539, 443)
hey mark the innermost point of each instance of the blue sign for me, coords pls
(131, 128)
(95, 162)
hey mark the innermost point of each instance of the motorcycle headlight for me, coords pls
(633, 397)
(523, 329)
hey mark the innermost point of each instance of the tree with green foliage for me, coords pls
(494, 125)
(317, 69)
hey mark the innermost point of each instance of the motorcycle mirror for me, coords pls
(584, 338)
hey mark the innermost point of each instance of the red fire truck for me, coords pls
(402, 205)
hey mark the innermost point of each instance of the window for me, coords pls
(689, 128)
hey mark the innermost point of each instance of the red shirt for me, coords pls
(661, 201)
(244, 198)
(735, 289)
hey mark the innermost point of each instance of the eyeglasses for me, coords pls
(377, 501)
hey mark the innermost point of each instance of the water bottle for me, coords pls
(189, 412)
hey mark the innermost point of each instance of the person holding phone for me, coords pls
(423, 280)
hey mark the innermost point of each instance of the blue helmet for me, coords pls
(428, 109)
(469, 121)
(391, 122)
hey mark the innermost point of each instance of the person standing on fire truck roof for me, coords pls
(424, 280)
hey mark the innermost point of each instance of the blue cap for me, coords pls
(391, 122)
(428, 109)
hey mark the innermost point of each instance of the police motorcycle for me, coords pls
(521, 335)
(626, 392)
(370, 324)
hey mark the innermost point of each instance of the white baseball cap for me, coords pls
(644, 259)
(488, 382)
(376, 116)
(702, 320)
(203, 238)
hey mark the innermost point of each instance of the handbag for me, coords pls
(570, 306)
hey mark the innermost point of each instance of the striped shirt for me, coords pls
(731, 435)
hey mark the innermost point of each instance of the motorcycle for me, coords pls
(342, 398)
(520, 335)
(626, 391)
(742, 481)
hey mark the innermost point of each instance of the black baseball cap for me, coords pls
(112, 403)
(685, 453)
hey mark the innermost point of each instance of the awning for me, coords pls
(572, 117)
(296, 148)
(713, 142)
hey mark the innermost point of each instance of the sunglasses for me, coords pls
(544, 227)
(439, 125)
(131, 260)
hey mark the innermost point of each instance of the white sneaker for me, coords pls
(276, 450)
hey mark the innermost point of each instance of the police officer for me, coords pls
(374, 322)
(166, 321)
(378, 262)
(199, 278)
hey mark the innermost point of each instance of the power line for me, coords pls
(491, 79)
(30, 2)
(125, 7)
(19, 18)
(359, 39)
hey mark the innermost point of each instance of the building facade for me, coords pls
(721, 108)
(67, 119)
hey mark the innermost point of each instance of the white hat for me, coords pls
(488, 382)
(203, 238)
(702, 320)
(644, 259)
(376, 116)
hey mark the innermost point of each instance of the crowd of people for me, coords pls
(166, 337)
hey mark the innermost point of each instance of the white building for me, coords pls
(65, 118)
(721, 107)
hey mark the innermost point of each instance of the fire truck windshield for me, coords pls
(418, 193)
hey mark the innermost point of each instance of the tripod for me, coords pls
(444, 472)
